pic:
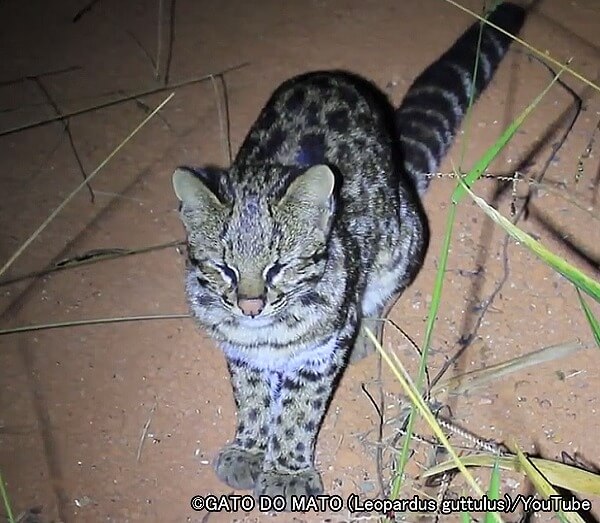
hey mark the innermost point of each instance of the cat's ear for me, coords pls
(193, 192)
(310, 196)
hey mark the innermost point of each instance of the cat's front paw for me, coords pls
(305, 482)
(239, 468)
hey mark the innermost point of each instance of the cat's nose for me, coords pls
(251, 306)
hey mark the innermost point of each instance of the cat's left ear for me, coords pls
(201, 211)
(192, 191)
(310, 197)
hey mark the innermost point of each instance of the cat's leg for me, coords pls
(301, 403)
(396, 272)
(363, 346)
(240, 462)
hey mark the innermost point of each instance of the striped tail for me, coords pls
(435, 104)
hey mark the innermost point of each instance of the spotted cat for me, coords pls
(316, 227)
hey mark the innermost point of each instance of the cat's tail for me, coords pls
(435, 104)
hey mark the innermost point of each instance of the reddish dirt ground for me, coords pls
(76, 402)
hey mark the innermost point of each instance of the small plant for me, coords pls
(537, 470)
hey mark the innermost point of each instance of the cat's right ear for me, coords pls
(193, 192)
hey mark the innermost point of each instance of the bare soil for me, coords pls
(78, 403)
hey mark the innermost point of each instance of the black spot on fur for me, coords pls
(361, 143)
(344, 151)
(253, 414)
(205, 300)
(363, 120)
(312, 114)
(332, 371)
(290, 384)
(322, 82)
(269, 117)
(295, 101)
(312, 150)
(309, 376)
(275, 141)
(275, 444)
(310, 491)
(338, 120)
(312, 298)
(310, 426)
(349, 96)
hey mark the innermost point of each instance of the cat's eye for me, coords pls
(272, 272)
(314, 258)
(229, 274)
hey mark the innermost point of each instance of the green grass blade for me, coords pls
(472, 90)
(592, 320)
(543, 55)
(431, 318)
(495, 149)
(560, 474)
(411, 390)
(483, 377)
(6, 501)
(542, 485)
(419, 404)
(457, 195)
(493, 490)
(578, 278)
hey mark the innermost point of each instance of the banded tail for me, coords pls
(436, 102)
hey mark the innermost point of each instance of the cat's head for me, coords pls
(256, 250)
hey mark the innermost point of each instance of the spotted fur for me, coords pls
(316, 227)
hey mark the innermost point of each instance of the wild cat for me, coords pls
(316, 227)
